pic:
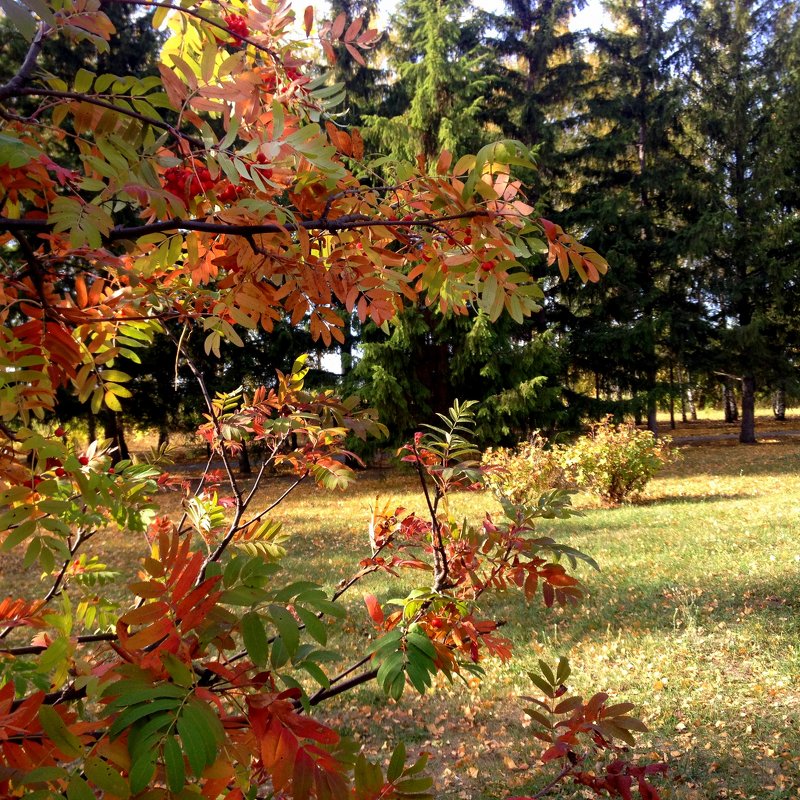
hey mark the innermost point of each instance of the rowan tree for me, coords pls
(207, 202)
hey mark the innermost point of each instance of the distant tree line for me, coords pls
(668, 141)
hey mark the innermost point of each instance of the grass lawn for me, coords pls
(694, 617)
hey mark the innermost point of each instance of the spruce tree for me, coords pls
(740, 69)
(629, 181)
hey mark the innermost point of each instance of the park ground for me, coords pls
(693, 617)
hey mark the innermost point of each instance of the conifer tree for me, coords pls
(632, 195)
(740, 58)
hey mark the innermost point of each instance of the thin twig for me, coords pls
(35, 649)
(547, 788)
(56, 586)
(33, 91)
(441, 569)
(326, 694)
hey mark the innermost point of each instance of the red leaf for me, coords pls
(338, 26)
(374, 609)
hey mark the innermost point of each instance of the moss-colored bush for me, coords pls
(615, 462)
(521, 474)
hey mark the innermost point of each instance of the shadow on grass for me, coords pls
(669, 606)
(685, 499)
(726, 459)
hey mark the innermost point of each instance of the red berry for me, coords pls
(451, 241)
(83, 460)
(111, 470)
(487, 266)
(408, 218)
(261, 158)
(237, 25)
(61, 472)
(467, 240)
(60, 431)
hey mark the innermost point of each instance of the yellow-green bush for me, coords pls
(521, 474)
(615, 461)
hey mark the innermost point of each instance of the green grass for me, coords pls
(693, 617)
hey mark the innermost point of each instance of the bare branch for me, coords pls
(18, 81)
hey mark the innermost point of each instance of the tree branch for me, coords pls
(35, 649)
(18, 81)
(343, 223)
(326, 694)
(33, 91)
(191, 13)
(441, 571)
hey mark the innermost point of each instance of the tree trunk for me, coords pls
(779, 404)
(114, 429)
(671, 397)
(244, 461)
(163, 436)
(690, 398)
(747, 435)
(683, 390)
(652, 418)
(729, 403)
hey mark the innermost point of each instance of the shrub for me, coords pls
(615, 462)
(521, 474)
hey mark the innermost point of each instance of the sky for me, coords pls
(591, 16)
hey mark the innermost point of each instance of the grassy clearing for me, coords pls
(693, 617)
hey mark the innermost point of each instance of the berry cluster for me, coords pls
(237, 25)
(270, 82)
(185, 183)
(230, 193)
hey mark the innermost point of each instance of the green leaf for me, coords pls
(192, 740)
(134, 713)
(43, 775)
(315, 627)
(104, 776)
(83, 80)
(287, 628)
(547, 673)
(78, 789)
(255, 638)
(143, 770)
(55, 727)
(20, 18)
(389, 670)
(173, 764)
(396, 763)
